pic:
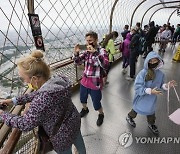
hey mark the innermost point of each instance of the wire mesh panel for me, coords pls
(65, 23)
(122, 13)
(15, 41)
(27, 143)
(70, 72)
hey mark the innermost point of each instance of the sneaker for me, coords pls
(100, 119)
(131, 121)
(153, 128)
(130, 79)
(84, 112)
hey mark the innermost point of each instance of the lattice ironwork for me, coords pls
(16, 40)
(27, 143)
(65, 23)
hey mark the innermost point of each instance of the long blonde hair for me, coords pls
(34, 65)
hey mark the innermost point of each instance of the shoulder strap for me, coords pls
(98, 49)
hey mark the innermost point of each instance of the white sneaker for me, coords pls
(124, 71)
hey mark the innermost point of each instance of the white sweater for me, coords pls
(166, 34)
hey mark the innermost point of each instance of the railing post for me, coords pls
(111, 16)
(135, 12)
(156, 5)
(171, 15)
(30, 6)
(161, 9)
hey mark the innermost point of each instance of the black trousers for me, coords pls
(132, 63)
(148, 47)
(150, 118)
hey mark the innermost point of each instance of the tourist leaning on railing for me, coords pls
(51, 106)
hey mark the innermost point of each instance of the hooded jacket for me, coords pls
(144, 103)
(51, 107)
(125, 45)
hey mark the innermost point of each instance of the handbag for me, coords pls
(45, 143)
(176, 114)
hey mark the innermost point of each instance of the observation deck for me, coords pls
(64, 23)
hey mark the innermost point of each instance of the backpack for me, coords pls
(103, 71)
(141, 45)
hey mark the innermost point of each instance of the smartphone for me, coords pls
(83, 47)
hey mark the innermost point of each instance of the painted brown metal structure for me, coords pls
(161, 9)
(111, 15)
(135, 12)
(169, 2)
(172, 14)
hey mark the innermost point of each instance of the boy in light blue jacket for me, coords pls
(148, 84)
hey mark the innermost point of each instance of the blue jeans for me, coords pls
(79, 144)
(96, 96)
(125, 61)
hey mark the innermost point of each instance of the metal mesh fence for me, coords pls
(27, 143)
(65, 23)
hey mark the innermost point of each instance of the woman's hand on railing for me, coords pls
(5, 102)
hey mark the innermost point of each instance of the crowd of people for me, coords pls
(52, 93)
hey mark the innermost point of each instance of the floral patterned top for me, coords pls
(50, 106)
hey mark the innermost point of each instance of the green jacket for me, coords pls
(110, 48)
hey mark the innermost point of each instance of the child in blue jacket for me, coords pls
(148, 84)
